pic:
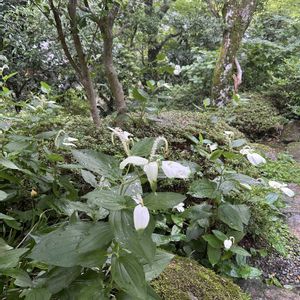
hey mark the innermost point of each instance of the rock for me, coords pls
(291, 132)
(294, 150)
(260, 291)
(185, 279)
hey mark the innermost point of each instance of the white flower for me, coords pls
(212, 147)
(228, 243)
(151, 170)
(138, 199)
(141, 217)
(123, 136)
(177, 70)
(179, 207)
(283, 187)
(174, 169)
(135, 160)
(254, 158)
(229, 134)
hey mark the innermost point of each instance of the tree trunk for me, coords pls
(110, 71)
(237, 16)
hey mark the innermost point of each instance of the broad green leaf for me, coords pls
(89, 178)
(241, 178)
(58, 278)
(212, 241)
(21, 277)
(142, 147)
(6, 217)
(17, 146)
(45, 87)
(71, 245)
(4, 246)
(204, 188)
(8, 164)
(102, 164)
(244, 213)
(107, 199)
(220, 235)
(139, 243)
(214, 254)
(163, 200)
(200, 211)
(3, 195)
(230, 215)
(129, 276)
(10, 258)
(38, 294)
(239, 250)
(88, 286)
(160, 262)
(140, 95)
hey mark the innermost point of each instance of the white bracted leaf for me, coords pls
(288, 192)
(174, 169)
(135, 160)
(255, 159)
(141, 217)
(151, 170)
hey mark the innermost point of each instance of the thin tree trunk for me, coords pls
(237, 16)
(106, 27)
(81, 68)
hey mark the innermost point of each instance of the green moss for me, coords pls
(185, 279)
(256, 117)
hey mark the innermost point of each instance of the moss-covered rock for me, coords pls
(185, 279)
(256, 117)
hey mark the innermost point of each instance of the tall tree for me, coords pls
(237, 15)
(80, 65)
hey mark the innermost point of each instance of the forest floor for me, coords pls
(282, 271)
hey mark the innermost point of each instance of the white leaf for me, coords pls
(275, 184)
(174, 169)
(151, 170)
(135, 160)
(288, 192)
(255, 159)
(141, 217)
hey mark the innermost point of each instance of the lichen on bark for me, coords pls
(236, 17)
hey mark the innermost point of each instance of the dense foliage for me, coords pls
(99, 212)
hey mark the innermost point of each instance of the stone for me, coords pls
(261, 291)
(294, 150)
(185, 279)
(291, 132)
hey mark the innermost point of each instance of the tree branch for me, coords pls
(61, 36)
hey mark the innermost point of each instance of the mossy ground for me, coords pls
(185, 279)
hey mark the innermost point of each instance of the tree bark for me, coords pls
(106, 24)
(237, 16)
(81, 68)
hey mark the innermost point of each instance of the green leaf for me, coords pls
(129, 276)
(238, 143)
(216, 154)
(139, 243)
(244, 213)
(229, 214)
(160, 262)
(58, 278)
(220, 235)
(212, 241)
(70, 245)
(214, 254)
(204, 188)
(8, 164)
(142, 147)
(22, 279)
(3, 195)
(102, 164)
(163, 200)
(239, 250)
(10, 258)
(88, 286)
(45, 87)
(107, 199)
(6, 217)
(89, 178)
(140, 95)
(200, 211)
(38, 294)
